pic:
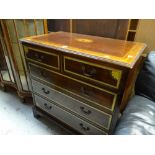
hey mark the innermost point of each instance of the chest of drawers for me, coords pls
(82, 81)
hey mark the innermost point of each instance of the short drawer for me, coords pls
(66, 117)
(87, 70)
(43, 57)
(83, 90)
(90, 113)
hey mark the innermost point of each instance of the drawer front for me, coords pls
(88, 92)
(42, 57)
(80, 108)
(101, 74)
(66, 117)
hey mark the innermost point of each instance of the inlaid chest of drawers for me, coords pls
(82, 81)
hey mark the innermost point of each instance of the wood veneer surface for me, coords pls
(122, 52)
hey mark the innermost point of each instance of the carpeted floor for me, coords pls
(17, 118)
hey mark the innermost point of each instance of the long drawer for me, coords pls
(92, 71)
(51, 59)
(98, 117)
(88, 92)
(66, 117)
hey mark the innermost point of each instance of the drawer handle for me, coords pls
(43, 74)
(45, 91)
(39, 57)
(90, 74)
(84, 127)
(87, 112)
(83, 90)
(47, 107)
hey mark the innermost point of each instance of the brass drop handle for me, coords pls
(88, 74)
(45, 91)
(84, 127)
(47, 107)
(39, 57)
(87, 112)
(84, 91)
(43, 74)
(36, 55)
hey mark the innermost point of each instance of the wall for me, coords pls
(146, 33)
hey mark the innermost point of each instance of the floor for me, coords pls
(16, 118)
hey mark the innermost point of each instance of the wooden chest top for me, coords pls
(124, 53)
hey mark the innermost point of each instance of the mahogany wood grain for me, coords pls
(89, 93)
(130, 83)
(121, 52)
(95, 83)
(102, 75)
(45, 58)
